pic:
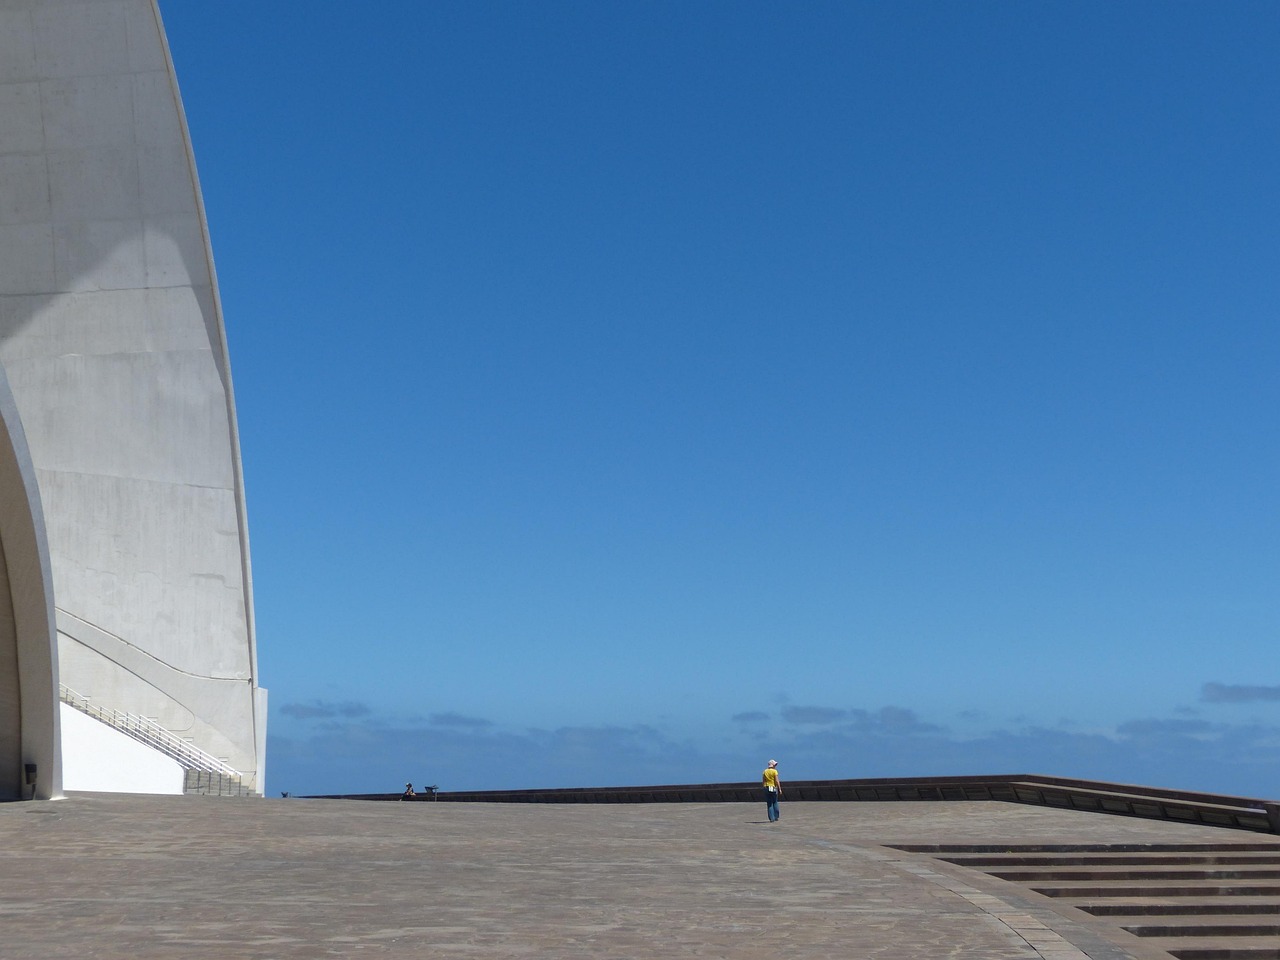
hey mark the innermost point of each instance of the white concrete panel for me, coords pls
(211, 315)
(260, 728)
(99, 255)
(98, 184)
(24, 189)
(145, 53)
(175, 251)
(83, 112)
(38, 327)
(111, 411)
(96, 757)
(163, 168)
(17, 46)
(153, 563)
(155, 120)
(26, 250)
(21, 118)
(80, 39)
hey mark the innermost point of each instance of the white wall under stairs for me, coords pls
(98, 758)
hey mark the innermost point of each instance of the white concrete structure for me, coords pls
(112, 340)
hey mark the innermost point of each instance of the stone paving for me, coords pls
(146, 878)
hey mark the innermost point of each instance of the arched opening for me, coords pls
(30, 743)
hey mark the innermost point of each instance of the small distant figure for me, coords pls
(408, 792)
(772, 790)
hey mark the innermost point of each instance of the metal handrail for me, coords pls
(145, 730)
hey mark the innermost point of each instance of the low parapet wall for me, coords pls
(1208, 809)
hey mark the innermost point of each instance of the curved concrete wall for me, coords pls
(111, 334)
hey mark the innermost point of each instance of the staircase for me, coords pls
(1192, 901)
(203, 772)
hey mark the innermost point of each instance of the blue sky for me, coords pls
(630, 393)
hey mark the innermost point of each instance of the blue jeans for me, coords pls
(771, 800)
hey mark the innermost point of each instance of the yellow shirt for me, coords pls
(771, 779)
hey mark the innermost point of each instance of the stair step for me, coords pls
(1091, 892)
(1179, 909)
(1038, 876)
(938, 848)
(1197, 927)
(1223, 952)
(1119, 859)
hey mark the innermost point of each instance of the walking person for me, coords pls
(772, 790)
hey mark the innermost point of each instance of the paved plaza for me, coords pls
(141, 877)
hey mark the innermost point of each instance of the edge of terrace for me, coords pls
(1183, 806)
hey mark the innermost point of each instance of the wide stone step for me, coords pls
(1037, 876)
(1236, 950)
(940, 848)
(1232, 907)
(1204, 927)
(1116, 859)
(1090, 890)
